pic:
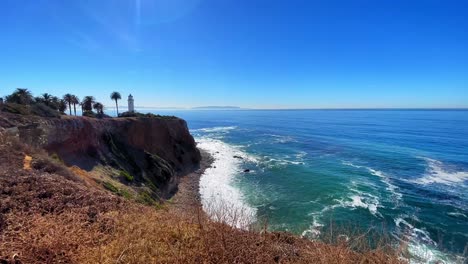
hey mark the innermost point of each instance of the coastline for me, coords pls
(187, 199)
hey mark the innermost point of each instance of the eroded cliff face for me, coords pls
(156, 151)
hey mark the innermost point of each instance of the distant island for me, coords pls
(217, 107)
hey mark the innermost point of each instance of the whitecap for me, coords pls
(281, 138)
(396, 195)
(421, 247)
(273, 162)
(301, 155)
(414, 233)
(221, 200)
(365, 201)
(437, 172)
(457, 214)
(215, 129)
(314, 231)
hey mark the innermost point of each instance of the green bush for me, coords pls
(145, 198)
(89, 114)
(56, 157)
(43, 110)
(124, 193)
(109, 186)
(126, 176)
(38, 109)
(16, 109)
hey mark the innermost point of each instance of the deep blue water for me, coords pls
(403, 172)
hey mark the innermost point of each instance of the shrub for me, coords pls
(38, 109)
(126, 176)
(125, 194)
(16, 109)
(145, 198)
(56, 157)
(44, 163)
(43, 110)
(109, 186)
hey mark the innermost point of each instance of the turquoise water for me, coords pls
(402, 172)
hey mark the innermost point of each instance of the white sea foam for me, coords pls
(301, 155)
(423, 254)
(457, 214)
(365, 200)
(438, 173)
(280, 138)
(220, 198)
(414, 233)
(396, 195)
(272, 162)
(420, 245)
(215, 129)
(296, 159)
(314, 230)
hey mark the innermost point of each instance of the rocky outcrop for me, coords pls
(154, 150)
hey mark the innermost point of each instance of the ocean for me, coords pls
(403, 173)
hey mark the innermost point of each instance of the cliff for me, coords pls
(151, 152)
(54, 209)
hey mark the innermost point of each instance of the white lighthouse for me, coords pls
(131, 107)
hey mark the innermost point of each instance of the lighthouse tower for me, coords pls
(131, 107)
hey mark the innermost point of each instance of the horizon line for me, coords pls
(309, 108)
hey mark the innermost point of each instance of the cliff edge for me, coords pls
(145, 153)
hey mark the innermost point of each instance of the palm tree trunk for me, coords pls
(74, 108)
(117, 106)
(69, 107)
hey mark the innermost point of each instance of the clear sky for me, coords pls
(248, 53)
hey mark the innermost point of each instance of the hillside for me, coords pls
(63, 199)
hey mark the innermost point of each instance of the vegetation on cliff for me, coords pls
(51, 213)
(80, 190)
(21, 101)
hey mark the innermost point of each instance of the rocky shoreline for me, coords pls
(187, 199)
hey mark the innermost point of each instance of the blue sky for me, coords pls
(255, 53)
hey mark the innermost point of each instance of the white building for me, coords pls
(131, 107)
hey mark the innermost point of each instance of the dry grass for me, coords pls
(162, 237)
(49, 215)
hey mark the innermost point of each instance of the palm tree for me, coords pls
(55, 103)
(87, 103)
(116, 96)
(20, 96)
(75, 101)
(46, 99)
(62, 105)
(99, 108)
(68, 98)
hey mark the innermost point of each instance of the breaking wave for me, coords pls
(390, 187)
(221, 200)
(437, 172)
(215, 129)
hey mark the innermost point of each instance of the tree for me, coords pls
(46, 99)
(55, 103)
(20, 96)
(87, 103)
(62, 106)
(99, 108)
(75, 101)
(68, 99)
(116, 96)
